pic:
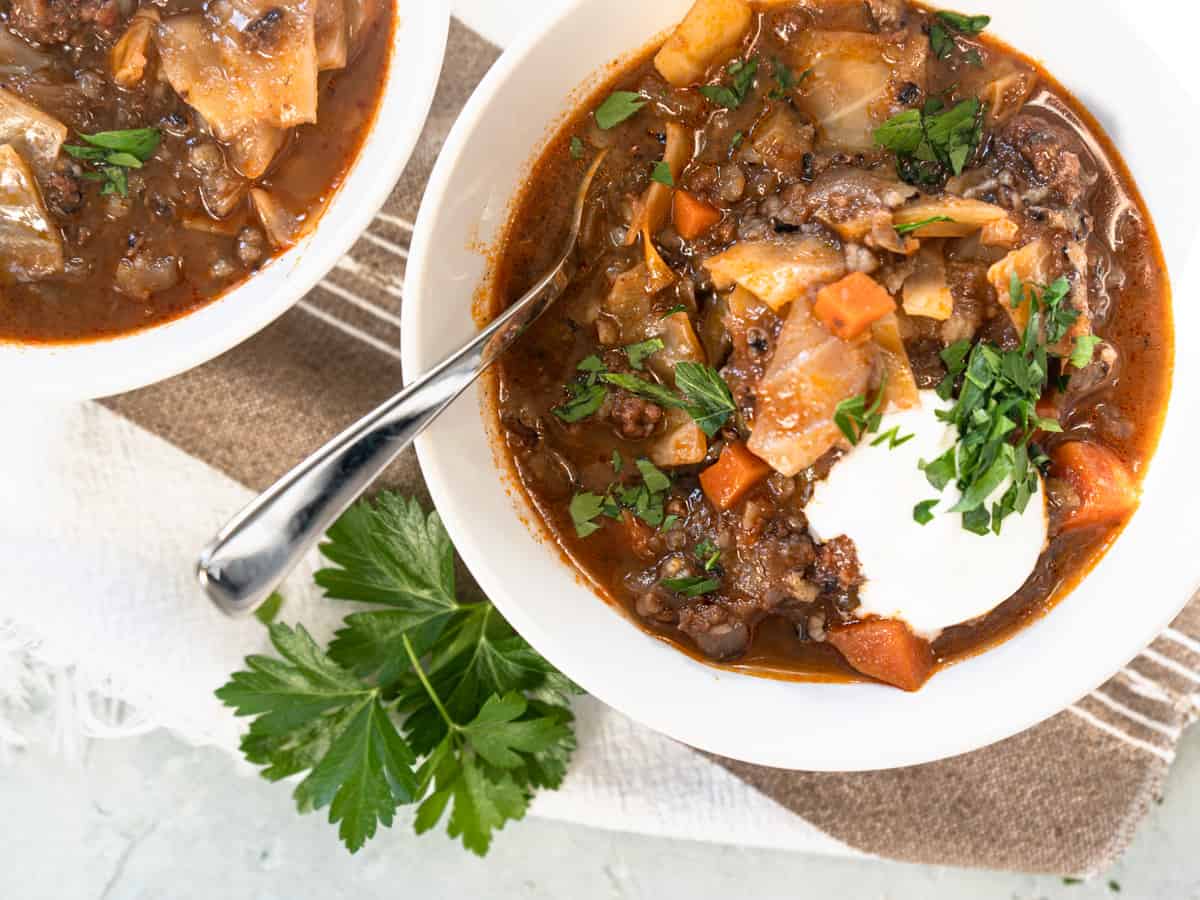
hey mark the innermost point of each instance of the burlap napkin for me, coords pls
(1064, 797)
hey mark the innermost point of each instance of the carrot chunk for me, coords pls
(848, 307)
(692, 216)
(737, 470)
(885, 649)
(1107, 491)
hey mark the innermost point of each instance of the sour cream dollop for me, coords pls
(931, 576)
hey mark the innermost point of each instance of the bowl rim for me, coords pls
(1040, 697)
(98, 368)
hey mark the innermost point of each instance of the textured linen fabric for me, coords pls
(1063, 797)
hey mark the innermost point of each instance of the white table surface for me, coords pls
(152, 818)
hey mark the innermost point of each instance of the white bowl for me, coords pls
(110, 366)
(1130, 597)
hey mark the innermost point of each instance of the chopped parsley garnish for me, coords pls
(617, 463)
(706, 396)
(662, 174)
(585, 508)
(995, 413)
(114, 152)
(577, 149)
(637, 353)
(923, 511)
(692, 585)
(741, 74)
(587, 395)
(786, 78)
(933, 142)
(917, 226)
(941, 33)
(855, 418)
(1085, 350)
(677, 308)
(656, 482)
(644, 500)
(709, 555)
(736, 141)
(617, 107)
(893, 438)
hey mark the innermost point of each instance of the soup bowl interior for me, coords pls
(110, 366)
(1085, 639)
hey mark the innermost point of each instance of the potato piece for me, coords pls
(129, 56)
(655, 205)
(680, 344)
(885, 649)
(331, 34)
(782, 140)
(901, 391)
(710, 29)
(1031, 264)
(683, 443)
(30, 244)
(279, 224)
(855, 81)
(37, 137)
(780, 270)
(255, 148)
(810, 374)
(966, 217)
(926, 291)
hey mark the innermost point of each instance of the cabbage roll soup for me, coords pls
(152, 155)
(866, 348)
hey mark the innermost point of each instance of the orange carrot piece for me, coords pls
(848, 307)
(692, 216)
(1107, 491)
(737, 470)
(885, 649)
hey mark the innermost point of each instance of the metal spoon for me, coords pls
(251, 555)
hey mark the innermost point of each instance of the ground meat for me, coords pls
(60, 21)
(1046, 151)
(63, 190)
(633, 417)
(836, 567)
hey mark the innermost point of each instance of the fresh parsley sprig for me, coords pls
(706, 396)
(946, 25)
(856, 419)
(933, 142)
(112, 153)
(424, 699)
(741, 80)
(617, 107)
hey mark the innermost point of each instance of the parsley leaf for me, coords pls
(585, 400)
(965, 24)
(932, 143)
(710, 402)
(923, 511)
(910, 227)
(692, 585)
(489, 715)
(677, 308)
(1085, 349)
(577, 149)
(617, 107)
(269, 611)
(112, 152)
(655, 480)
(855, 419)
(585, 508)
(893, 438)
(651, 390)
(742, 73)
(662, 174)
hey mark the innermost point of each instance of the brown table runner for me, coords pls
(1064, 797)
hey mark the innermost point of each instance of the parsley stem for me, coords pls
(437, 701)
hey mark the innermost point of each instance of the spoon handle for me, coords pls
(248, 558)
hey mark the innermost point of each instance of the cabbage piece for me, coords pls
(128, 58)
(263, 73)
(680, 344)
(1033, 265)
(710, 29)
(855, 81)
(360, 16)
(901, 391)
(683, 443)
(36, 136)
(652, 209)
(30, 244)
(778, 270)
(782, 140)
(926, 291)
(332, 34)
(253, 150)
(279, 224)
(811, 373)
(966, 217)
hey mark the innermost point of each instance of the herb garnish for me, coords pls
(893, 438)
(112, 153)
(741, 73)
(706, 396)
(677, 308)
(587, 396)
(486, 717)
(617, 463)
(1085, 350)
(644, 500)
(786, 78)
(736, 140)
(662, 174)
(577, 148)
(996, 415)
(910, 227)
(691, 585)
(933, 142)
(709, 555)
(638, 352)
(855, 418)
(923, 511)
(617, 107)
(941, 38)
(585, 507)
